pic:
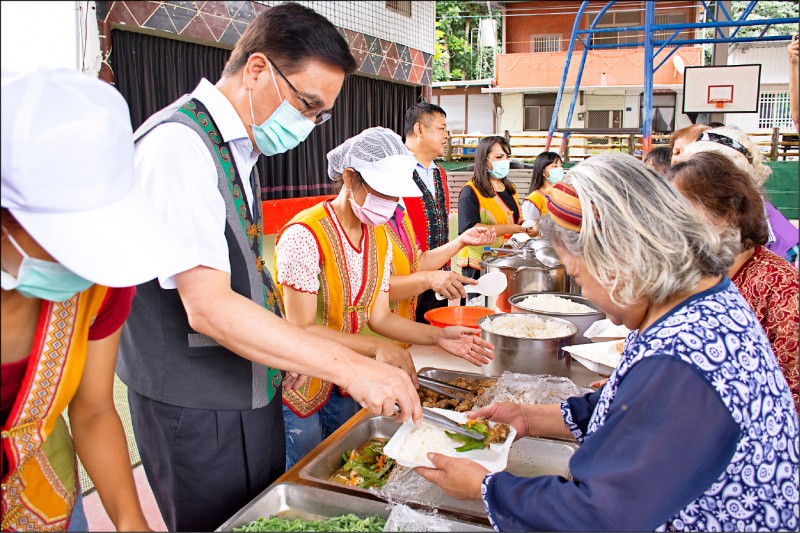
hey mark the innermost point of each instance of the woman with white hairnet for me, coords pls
(739, 148)
(332, 264)
(76, 236)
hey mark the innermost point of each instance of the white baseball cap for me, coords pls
(68, 177)
(380, 156)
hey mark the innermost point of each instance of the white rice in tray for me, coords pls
(424, 439)
(553, 304)
(526, 327)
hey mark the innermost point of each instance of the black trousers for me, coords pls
(202, 465)
(427, 301)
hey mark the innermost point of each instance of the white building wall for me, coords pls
(513, 116)
(372, 18)
(774, 75)
(770, 55)
(630, 119)
(53, 44)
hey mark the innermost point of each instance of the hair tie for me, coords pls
(564, 207)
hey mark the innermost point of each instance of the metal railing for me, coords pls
(774, 144)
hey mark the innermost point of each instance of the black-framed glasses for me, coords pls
(726, 141)
(321, 116)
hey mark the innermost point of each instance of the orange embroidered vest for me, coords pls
(538, 199)
(404, 262)
(492, 211)
(337, 307)
(39, 492)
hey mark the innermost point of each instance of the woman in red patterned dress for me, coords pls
(728, 197)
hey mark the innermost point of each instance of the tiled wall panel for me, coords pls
(221, 23)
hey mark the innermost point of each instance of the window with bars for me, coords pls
(774, 110)
(619, 19)
(399, 6)
(671, 18)
(545, 43)
(604, 119)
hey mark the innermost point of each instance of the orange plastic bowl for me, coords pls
(462, 315)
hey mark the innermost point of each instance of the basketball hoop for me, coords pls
(719, 95)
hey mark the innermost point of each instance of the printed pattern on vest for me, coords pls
(26, 432)
(355, 313)
(251, 223)
(758, 489)
(436, 211)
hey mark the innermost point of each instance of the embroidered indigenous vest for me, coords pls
(538, 199)
(493, 211)
(39, 492)
(720, 338)
(161, 356)
(337, 307)
(429, 214)
(404, 262)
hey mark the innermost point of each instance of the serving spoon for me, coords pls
(490, 284)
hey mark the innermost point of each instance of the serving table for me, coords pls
(424, 356)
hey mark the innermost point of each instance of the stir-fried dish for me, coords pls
(494, 434)
(430, 398)
(366, 466)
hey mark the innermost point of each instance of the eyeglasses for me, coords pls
(726, 141)
(321, 116)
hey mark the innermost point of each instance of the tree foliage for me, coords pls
(761, 10)
(766, 10)
(458, 55)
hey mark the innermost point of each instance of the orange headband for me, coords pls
(564, 207)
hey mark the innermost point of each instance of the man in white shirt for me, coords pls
(425, 137)
(203, 362)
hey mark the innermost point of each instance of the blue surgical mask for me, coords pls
(500, 168)
(556, 175)
(285, 128)
(42, 279)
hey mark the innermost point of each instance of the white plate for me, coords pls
(600, 357)
(605, 330)
(494, 458)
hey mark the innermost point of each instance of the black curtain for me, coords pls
(152, 72)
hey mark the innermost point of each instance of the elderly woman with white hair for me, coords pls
(333, 263)
(695, 429)
(739, 148)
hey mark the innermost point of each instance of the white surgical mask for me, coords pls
(38, 278)
(500, 168)
(556, 175)
(285, 128)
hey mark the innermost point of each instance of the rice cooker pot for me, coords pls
(525, 274)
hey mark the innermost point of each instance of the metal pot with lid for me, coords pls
(524, 273)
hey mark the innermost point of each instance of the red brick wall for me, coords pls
(543, 21)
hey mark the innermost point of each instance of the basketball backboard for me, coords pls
(721, 89)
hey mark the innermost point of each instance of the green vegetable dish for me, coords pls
(494, 434)
(348, 522)
(366, 466)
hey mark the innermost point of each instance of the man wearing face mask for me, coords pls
(203, 363)
(547, 171)
(332, 263)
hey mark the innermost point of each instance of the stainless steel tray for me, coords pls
(323, 466)
(310, 503)
(300, 501)
(529, 457)
(448, 375)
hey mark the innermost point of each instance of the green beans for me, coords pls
(348, 522)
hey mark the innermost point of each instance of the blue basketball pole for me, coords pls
(554, 118)
(647, 105)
